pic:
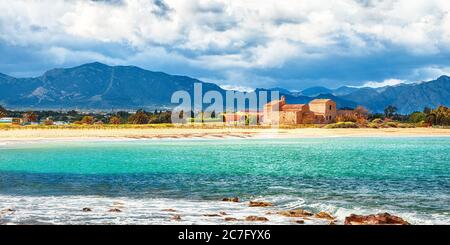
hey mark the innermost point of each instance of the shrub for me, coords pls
(377, 121)
(391, 124)
(140, 117)
(342, 125)
(87, 120)
(417, 117)
(115, 120)
(48, 122)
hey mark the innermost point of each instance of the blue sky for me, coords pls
(237, 44)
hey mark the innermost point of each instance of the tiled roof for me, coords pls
(319, 101)
(293, 107)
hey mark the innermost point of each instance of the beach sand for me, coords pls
(32, 134)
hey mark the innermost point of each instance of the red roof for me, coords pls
(298, 107)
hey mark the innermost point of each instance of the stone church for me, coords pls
(317, 111)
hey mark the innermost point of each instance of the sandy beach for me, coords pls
(32, 134)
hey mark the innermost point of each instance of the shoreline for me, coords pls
(92, 209)
(108, 134)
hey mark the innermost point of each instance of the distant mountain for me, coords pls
(344, 90)
(406, 97)
(96, 86)
(99, 86)
(314, 91)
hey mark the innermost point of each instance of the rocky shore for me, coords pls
(261, 212)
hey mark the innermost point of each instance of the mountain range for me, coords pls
(99, 86)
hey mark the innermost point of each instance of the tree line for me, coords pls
(76, 117)
(437, 116)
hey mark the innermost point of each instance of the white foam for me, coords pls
(68, 210)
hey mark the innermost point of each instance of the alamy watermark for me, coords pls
(229, 108)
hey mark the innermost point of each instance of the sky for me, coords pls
(239, 44)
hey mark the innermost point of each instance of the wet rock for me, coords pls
(231, 219)
(169, 210)
(230, 199)
(295, 213)
(256, 218)
(86, 209)
(300, 221)
(115, 210)
(7, 210)
(176, 217)
(212, 215)
(324, 215)
(260, 204)
(374, 219)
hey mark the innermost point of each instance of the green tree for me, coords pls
(87, 120)
(115, 120)
(439, 116)
(3, 112)
(417, 117)
(140, 117)
(390, 111)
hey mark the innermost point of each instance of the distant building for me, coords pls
(324, 110)
(10, 121)
(317, 111)
(243, 116)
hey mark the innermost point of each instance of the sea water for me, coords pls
(50, 183)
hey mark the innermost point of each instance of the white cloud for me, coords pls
(387, 82)
(228, 35)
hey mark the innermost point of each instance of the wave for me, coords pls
(68, 210)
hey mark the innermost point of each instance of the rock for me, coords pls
(260, 204)
(86, 210)
(231, 219)
(212, 215)
(169, 210)
(230, 199)
(374, 219)
(300, 221)
(256, 218)
(115, 210)
(223, 213)
(332, 223)
(324, 215)
(295, 213)
(8, 210)
(176, 217)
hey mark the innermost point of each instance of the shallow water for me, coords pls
(52, 182)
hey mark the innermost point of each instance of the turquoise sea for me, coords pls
(45, 182)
